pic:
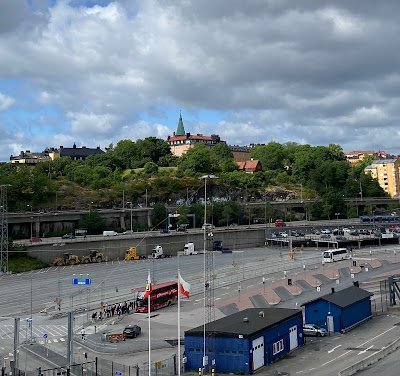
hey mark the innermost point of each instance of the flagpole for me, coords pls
(148, 305)
(179, 322)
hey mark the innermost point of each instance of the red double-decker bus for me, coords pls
(163, 295)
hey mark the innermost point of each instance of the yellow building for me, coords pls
(386, 171)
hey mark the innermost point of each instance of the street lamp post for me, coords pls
(205, 177)
(337, 216)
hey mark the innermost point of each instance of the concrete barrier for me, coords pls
(373, 358)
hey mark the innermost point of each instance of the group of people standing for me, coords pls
(118, 309)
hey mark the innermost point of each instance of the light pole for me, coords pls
(337, 216)
(205, 177)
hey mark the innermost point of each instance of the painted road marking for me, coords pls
(364, 351)
(330, 351)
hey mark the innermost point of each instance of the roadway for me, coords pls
(113, 282)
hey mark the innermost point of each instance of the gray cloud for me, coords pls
(316, 72)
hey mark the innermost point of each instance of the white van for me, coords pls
(110, 233)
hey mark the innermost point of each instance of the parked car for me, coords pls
(280, 223)
(325, 231)
(354, 232)
(295, 234)
(132, 331)
(207, 226)
(164, 231)
(325, 236)
(315, 231)
(346, 230)
(314, 330)
(377, 233)
(68, 236)
(341, 238)
(337, 231)
(181, 229)
(35, 240)
(283, 234)
(127, 232)
(364, 232)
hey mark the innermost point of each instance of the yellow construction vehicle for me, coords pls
(130, 254)
(94, 256)
(67, 259)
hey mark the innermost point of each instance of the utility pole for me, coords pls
(3, 229)
(16, 344)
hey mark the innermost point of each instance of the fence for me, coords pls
(100, 366)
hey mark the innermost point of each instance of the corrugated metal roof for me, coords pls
(345, 297)
(234, 325)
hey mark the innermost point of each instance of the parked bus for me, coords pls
(332, 255)
(379, 218)
(162, 295)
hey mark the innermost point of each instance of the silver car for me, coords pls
(314, 330)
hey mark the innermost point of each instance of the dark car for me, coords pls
(315, 231)
(68, 236)
(364, 232)
(325, 236)
(164, 231)
(354, 232)
(341, 238)
(337, 231)
(132, 331)
(181, 229)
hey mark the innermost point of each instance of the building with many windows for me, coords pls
(49, 154)
(180, 142)
(386, 172)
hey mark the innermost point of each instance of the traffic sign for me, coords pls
(81, 281)
(118, 373)
(45, 335)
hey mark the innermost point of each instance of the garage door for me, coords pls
(293, 338)
(258, 352)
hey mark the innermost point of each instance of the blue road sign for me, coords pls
(81, 281)
(118, 373)
(45, 335)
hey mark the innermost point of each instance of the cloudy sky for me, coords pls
(95, 72)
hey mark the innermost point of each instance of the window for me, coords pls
(277, 347)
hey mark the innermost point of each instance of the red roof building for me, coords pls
(254, 165)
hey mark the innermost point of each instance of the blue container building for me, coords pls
(244, 341)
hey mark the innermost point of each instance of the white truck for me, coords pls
(110, 233)
(158, 253)
(188, 249)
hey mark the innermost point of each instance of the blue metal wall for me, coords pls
(317, 312)
(233, 354)
(355, 313)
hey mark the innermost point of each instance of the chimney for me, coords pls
(246, 319)
(356, 283)
(173, 134)
(332, 290)
(261, 314)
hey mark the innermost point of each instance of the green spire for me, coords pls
(181, 129)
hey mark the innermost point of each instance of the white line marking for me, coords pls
(330, 351)
(340, 356)
(364, 351)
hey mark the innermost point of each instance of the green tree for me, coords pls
(92, 222)
(150, 168)
(126, 154)
(271, 156)
(196, 160)
(159, 217)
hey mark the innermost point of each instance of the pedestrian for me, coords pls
(83, 332)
